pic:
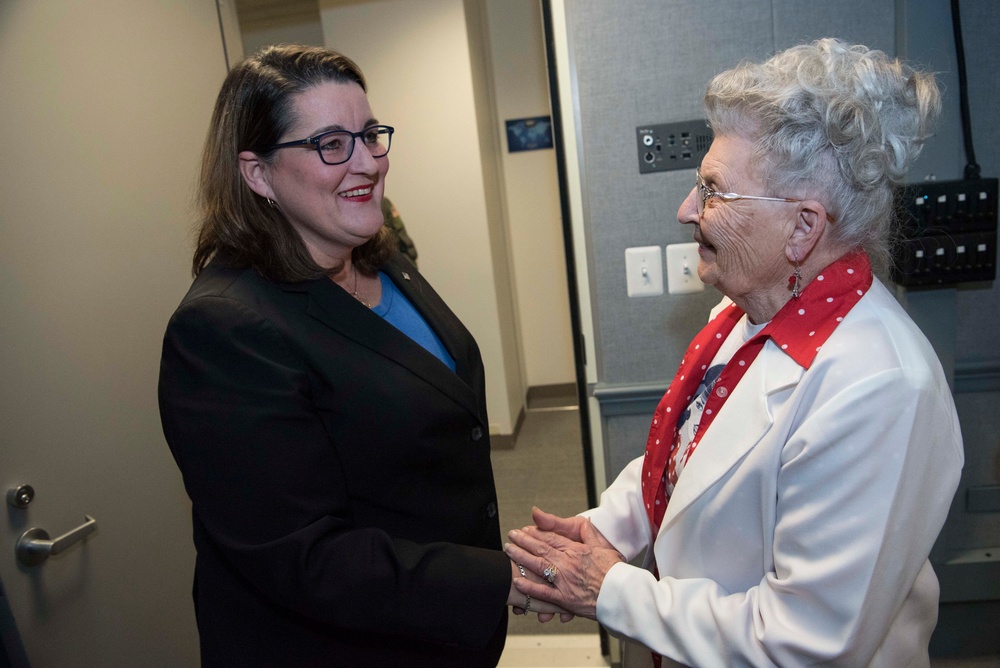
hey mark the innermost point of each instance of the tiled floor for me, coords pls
(553, 651)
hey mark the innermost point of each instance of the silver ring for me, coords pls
(550, 573)
(527, 599)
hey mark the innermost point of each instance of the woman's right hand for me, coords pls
(567, 527)
(574, 550)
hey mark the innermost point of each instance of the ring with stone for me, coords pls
(550, 573)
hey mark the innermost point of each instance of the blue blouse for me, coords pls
(397, 310)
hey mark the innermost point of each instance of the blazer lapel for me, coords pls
(741, 424)
(456, 339)
(336, 309)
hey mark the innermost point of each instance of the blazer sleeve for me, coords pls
(269, 492)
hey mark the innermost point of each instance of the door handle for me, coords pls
(34, 546)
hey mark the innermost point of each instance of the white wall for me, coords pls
(297, 31)
(532, 194)
(415, 56)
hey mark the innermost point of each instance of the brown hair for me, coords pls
(253, 110)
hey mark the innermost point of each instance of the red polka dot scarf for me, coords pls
(800, 328)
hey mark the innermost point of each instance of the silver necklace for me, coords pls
(356, 295)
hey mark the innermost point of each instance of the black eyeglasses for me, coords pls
(337, 146)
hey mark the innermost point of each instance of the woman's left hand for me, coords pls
(577, 569)
(544, 609)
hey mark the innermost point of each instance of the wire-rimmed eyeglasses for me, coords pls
(337, 146)
(705, 193)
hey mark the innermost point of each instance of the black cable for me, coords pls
(576, 317)
(971, 168)
(579, 349)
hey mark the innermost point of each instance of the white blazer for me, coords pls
(799, 530)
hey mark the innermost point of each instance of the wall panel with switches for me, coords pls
(682, 269)
(643, 271)
(949, 233)
(666, 146)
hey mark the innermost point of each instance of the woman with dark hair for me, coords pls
(326, 409)
(804, 458)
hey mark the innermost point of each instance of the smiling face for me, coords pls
(742, 244)
(334, 208)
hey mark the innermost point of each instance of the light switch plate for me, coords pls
(682, 269)
(643, 271)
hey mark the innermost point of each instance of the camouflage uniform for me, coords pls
(395, 223)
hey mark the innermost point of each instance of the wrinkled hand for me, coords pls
(517, 600)
(568, 527)
(564, 526)
(581, 564)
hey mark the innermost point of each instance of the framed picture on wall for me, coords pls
(529, 134)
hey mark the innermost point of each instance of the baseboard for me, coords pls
(507, 441)
(552, 397)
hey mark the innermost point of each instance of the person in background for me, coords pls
(801, 464)
(395, 223)
(325, 407)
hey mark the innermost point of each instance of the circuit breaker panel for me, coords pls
(949, 233)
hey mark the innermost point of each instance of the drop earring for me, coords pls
(794, 280)
(271, 203)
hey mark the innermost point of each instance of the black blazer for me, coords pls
(342, 493)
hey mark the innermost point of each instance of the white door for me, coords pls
(104, 105)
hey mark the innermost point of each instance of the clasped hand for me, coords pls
(567, 558)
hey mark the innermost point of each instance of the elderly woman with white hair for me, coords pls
(801, 464)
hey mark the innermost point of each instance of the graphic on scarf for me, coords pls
(700, 398)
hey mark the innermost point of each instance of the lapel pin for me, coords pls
(406, 276)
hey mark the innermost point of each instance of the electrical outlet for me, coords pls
(643, 271)
(682, 269)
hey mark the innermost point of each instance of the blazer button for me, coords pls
(477, 433)
(491, 510)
